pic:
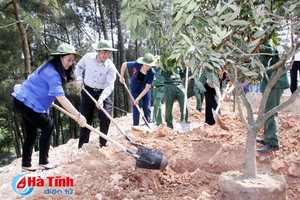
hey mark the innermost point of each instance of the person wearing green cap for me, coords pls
(99, 79)
(270, 141)
(35, 95)
(140, 84)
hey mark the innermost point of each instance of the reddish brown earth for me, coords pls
(196, 160)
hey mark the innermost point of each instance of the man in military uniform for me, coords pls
(158, 94)
(174, 90)
(271, 125)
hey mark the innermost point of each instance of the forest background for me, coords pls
(30, 30)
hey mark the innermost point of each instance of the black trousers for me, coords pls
(211, 103)
(293, 73)
(87, 108)
(32, 122)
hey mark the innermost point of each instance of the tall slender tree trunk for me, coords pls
(97, 29)
(122, 52)
(104, 27)
(23, 35)
(136, 49)
(56, 125)
(15, 136)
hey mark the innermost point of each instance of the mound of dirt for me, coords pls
(196, 160)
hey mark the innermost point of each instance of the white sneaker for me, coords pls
(46, 166)
(31, 169)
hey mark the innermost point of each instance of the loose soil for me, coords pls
(196, 160)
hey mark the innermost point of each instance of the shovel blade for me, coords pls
(215, 115)
(152, 127)
(183, 127)
(150, 158)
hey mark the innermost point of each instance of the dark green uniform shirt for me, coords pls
(173, 76)
(283, 81)
(158, 78)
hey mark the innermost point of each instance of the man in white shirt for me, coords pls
(99, 78)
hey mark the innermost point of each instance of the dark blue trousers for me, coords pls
(145, 102)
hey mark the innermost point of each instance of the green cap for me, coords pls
(103, 45)
(148, 59)
(65, 49)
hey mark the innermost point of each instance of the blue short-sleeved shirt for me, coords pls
(149, 77)
(40, 89)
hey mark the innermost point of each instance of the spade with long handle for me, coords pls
(150, 126)
(145, 157)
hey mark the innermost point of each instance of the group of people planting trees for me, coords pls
(97, 74)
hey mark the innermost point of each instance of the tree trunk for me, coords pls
(23, 38)
(97, 29)
(15, 136)
(61, 129)
(250, 157)
(122, 52)
(72, 128)
(136, 49)
(104, 27)
(56, 125)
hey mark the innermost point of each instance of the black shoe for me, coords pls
(268, 148)
(261, 141)
(101, 145)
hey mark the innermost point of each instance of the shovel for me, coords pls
(184, 126)
(145, 157)
(216, 116)
(108, 115)
(149, 127)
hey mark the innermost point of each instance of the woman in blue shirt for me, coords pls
(140, 84)
(34, 97)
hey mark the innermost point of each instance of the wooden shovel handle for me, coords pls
(97, 132)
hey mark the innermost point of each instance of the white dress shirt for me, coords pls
(297, 56)
(97, 75)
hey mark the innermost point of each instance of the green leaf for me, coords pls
(254, 43)
(220, 11)
(250, 73)
(206, 64)
(150, 5)
(178, 25)
(258, 34)
(219, 31)
(216, 39)
(191, 49)
(189, 19)
(239, 23)
(187, 39)
(124, 2)
(192, 5)
(199, 85)
(184, 3)
(178, 15)
(231, 16)
(268, 4)
(247, 72)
